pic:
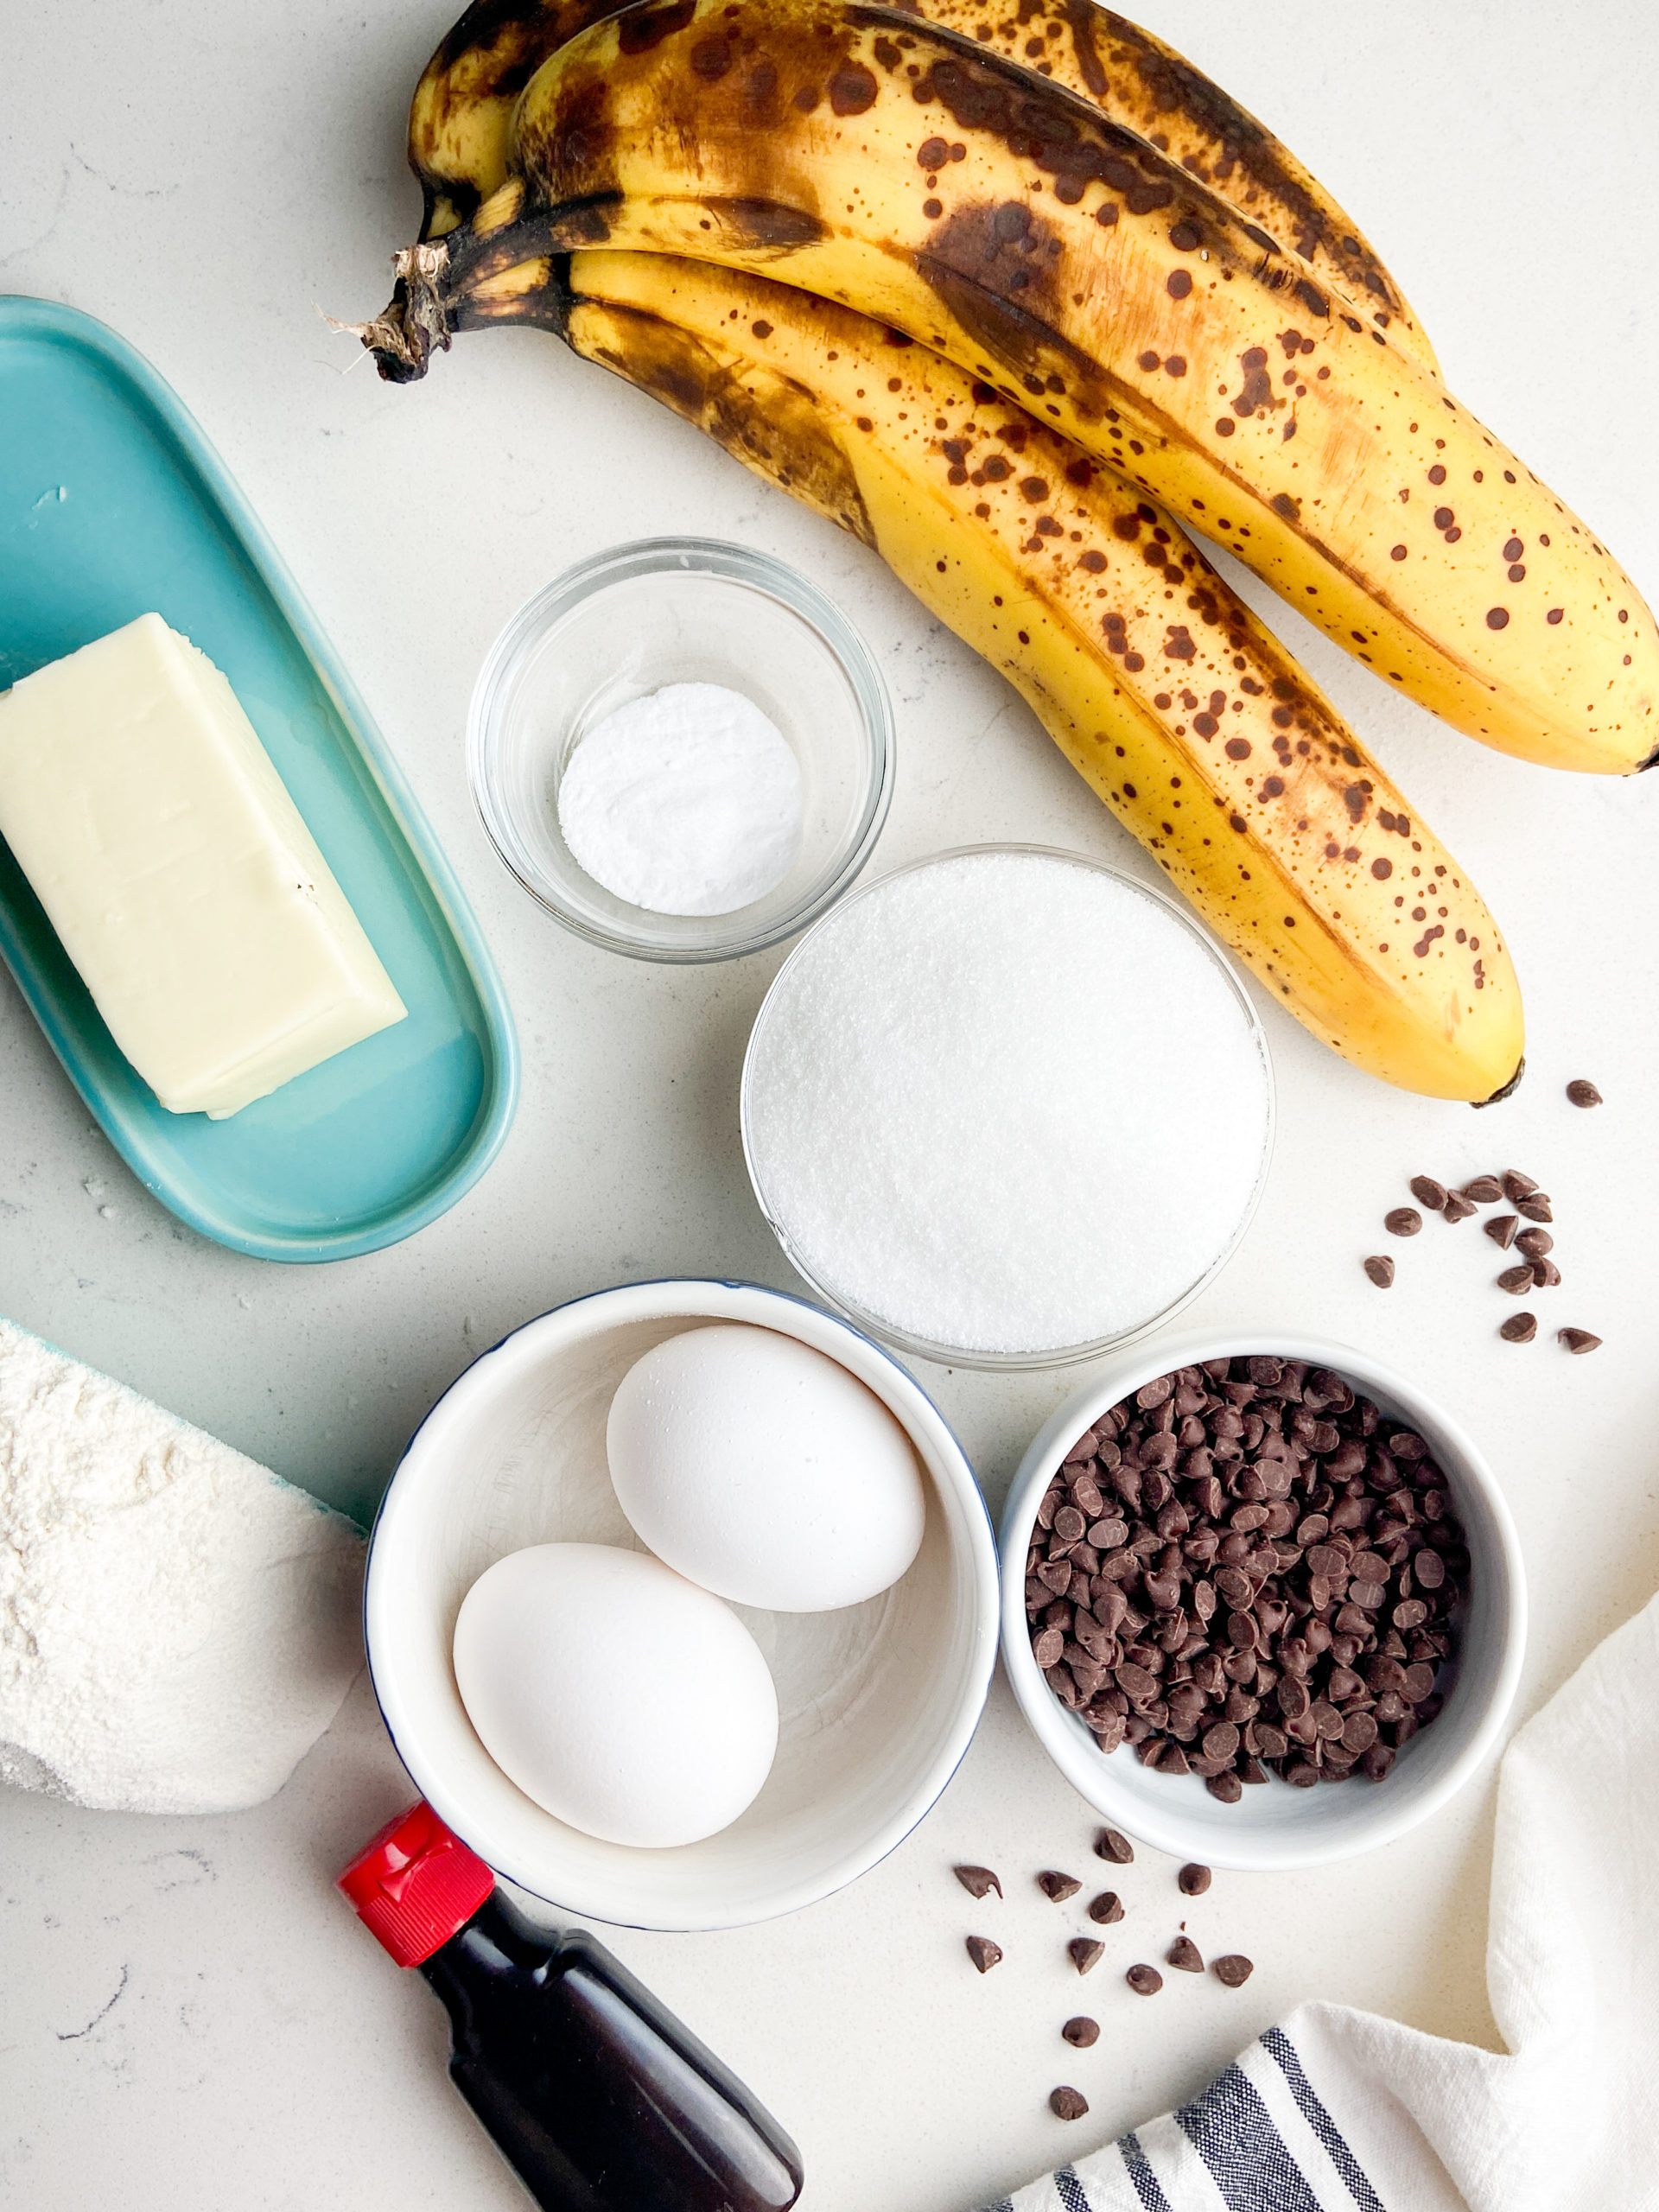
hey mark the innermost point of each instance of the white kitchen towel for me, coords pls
(1337, 2111)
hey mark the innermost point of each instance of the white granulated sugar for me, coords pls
(1006, 1103)
(177, 1626)
(687, 802)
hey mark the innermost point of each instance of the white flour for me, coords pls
(686, 802)
(177, 1626)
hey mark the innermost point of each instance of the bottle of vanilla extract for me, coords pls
(599, 2100)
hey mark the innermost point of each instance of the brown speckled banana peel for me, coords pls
(1187, 716)
(460, 122)
(1072, 263)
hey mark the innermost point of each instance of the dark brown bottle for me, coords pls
(599, 2098)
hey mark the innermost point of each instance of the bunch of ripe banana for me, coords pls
(1005, 297)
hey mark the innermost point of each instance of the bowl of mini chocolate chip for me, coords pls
(1234, 1577)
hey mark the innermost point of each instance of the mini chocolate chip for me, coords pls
(1234, 1970)
(978, 1881)
(1228, 1787)
(1457, 1207)
(1428, 1193)
(1485, 1190)
(1519, 1329)
(1081, 2033)
(1067, 2104)
(1535, 1243)
(1516, 1281)
(1145, 1981)
(1084, 1953)
(1185, 1955)
(1058, 1887)
(1502, 1229)
(984, 1953)
(1546, 1274)
(1112, 1844)
(1380, 1269)
(1194, 1880)
(1106, 1908)
(1404, 1221)
(1578, 1340)
(1517, 1185)
(1536, 1206)
(1584, 1094)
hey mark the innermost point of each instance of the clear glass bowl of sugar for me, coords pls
(669, 611)
(1007, 1108)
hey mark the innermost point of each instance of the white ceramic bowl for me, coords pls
(877, 1703)
(1275, 1826)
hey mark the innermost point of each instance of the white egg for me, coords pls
(764, 1471)
(615, 1694)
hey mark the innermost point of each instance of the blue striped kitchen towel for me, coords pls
(1339, 2111)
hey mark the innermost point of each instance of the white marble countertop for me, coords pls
(188, 2016)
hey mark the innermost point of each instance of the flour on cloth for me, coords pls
(177, 1625)
(1337, 2111)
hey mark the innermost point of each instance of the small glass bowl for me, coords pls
(943, 1355)
(680, 610)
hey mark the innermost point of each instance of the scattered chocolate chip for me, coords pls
(1457, 1207)
(1404, 1221)
(1516, 1281)
(1428, 1193)
(978, 1881)
(1519, 1329)
(1194, 1880)
(1145, 1981)
(1084, 1953)
(1485, 1190)
(1380, 1269)
(1106, 1909)
(1185, 1955)
(1535, 1243)
(984, 1953)
(1234, 1970)
(1081, 2033)
(1517, 1185)
(1584, 1094)
(1067, 2104)
(1058, 1887)
(1578, 1340)
(1502, 1229)
(1536, 1207)
(1545, 1274)
(1113, 1844)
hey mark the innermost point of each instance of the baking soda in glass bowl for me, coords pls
(1008, 1107)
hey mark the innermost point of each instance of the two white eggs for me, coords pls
(616, 1688)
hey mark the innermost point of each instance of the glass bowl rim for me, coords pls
(943, 1355)
(730, 563)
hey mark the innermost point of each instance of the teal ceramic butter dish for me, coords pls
(113, 503)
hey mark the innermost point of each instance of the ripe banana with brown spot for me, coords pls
(1185, 715)
(1072, 263)
(460, 122)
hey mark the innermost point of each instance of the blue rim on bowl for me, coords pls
(1275, 1827)
(447, 1512)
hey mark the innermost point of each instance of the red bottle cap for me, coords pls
(415, 1883)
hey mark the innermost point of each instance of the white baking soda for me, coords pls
(1006, 1103)
(687, 801)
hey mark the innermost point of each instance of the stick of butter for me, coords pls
(178, 874)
